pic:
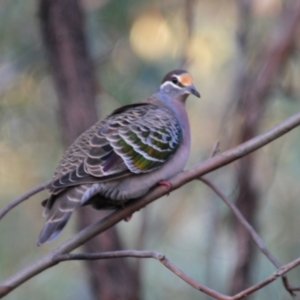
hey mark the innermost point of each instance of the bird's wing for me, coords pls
(134, 139)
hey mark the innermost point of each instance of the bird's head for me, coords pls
(178, 84)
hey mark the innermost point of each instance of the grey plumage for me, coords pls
(124, 155)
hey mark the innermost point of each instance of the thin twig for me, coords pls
(173, 268)
(280, 272)
(257, 239)
(259, 242)
(143, 254)
(215, 149)
(106, 255)
(22, 198)
(193, 173)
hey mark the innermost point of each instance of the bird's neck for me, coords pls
(177, 107)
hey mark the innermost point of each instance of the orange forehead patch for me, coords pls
(185, 79)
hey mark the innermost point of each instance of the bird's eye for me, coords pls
(174, 80)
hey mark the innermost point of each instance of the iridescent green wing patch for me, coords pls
(138, 139)
(148, 142)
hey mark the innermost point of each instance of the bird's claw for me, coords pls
(128, 218)
(167, 184)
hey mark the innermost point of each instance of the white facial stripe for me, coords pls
(170, 83)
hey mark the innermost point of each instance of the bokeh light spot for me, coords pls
(150, 36)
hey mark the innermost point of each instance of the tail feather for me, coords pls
(52, 229)
(59, 214)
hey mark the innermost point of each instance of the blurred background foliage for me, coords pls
(133, 44)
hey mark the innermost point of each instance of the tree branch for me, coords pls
(144, 254)
(279, 272)
(259, 242)
(199, 170)
(173, 268)
(257, 239)
(22, 198)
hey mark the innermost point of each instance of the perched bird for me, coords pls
(123, 156)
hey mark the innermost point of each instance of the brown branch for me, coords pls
(22, 198)
(259, 242)
(280, 272)
(199, 170)
(215, 149)
(257, 239)
(144, 254)
(173, 268)
(107, 255)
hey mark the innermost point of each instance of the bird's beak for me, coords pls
(193, 90)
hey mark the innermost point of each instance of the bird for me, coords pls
(123, 156)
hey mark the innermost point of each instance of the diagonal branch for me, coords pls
(199, 170)
(257, 239)
(259, 242)
(22, 198)
(278, 273)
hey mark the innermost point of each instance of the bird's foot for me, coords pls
(128, 218)
(167, 184)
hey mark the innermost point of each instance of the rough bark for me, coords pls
(62, 23)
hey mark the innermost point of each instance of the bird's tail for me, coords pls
(58, 211)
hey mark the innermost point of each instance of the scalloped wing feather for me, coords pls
(136, 139)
